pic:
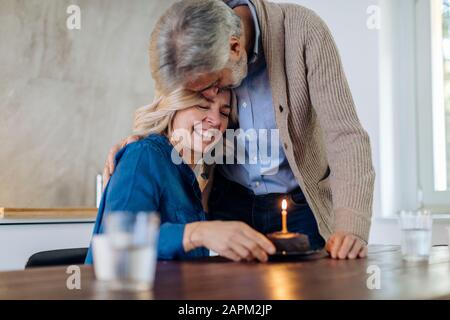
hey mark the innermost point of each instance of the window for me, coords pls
(433, 100)
(442, 178)
(415, 106)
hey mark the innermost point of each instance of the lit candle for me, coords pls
(284, 217)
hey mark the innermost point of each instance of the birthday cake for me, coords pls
(289, 242)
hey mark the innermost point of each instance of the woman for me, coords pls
(157, 174)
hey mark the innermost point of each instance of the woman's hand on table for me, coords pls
(230, 239)
(344, 245)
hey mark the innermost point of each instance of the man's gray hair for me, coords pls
(192, 36)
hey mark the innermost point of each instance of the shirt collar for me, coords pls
(190, 174)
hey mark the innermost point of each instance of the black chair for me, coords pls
(62, 257)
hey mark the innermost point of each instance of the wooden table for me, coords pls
(217, 279)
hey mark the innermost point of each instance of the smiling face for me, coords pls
(200, 127)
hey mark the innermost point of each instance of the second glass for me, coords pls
(416, 232)
(133, 240)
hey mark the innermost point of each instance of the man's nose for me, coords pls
(211, 93)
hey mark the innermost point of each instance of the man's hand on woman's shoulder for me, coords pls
(110, 161)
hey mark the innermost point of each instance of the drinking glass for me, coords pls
(133, 242)
(416, 231)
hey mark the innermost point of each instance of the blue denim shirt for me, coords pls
(146, 179)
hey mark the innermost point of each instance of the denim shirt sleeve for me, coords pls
(138, 185)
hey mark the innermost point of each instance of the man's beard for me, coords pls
(239, 70)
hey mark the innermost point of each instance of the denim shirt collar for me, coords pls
(165, 145)
(187, 172)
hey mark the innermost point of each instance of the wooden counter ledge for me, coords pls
(44, 213)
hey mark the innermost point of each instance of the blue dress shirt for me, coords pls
(262, 172)
(146, 179)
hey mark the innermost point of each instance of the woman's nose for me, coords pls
(214, 119)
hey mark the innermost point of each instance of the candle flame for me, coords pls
(284, 204)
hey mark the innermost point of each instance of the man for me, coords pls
(285, 67)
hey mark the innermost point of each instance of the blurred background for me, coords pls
(66, 96)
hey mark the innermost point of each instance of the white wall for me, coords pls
(66, 96)
(360, 51)
(20, 240)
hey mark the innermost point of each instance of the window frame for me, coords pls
(406, 126)
(430, 106)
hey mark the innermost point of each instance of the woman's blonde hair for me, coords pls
(157, 117)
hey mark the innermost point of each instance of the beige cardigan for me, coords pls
(326, 146)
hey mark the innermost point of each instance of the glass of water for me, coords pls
(133, 241)
(416, 231)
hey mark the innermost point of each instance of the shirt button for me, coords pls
(244, 105)
(255, 158)
(257, 184)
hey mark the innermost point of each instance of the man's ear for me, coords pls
(236, 49)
